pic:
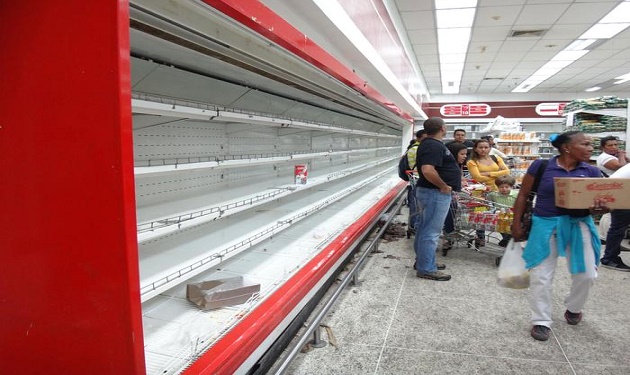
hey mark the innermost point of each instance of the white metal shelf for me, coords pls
(235, 161)
(209, 112)
(500, 140)
(170, 260)
(240, 199)
(176, 331)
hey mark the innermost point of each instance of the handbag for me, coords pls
(512, 272)
(526, 219)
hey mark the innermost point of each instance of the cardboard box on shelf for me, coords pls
(579, 192)
(214, 294)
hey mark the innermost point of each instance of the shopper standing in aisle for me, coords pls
(559, 232)
(493, 147)
(459, 136)
(619, 221)
(460, 152)
(485, 169)
(611, 158)
(412, 151)
(439, 176)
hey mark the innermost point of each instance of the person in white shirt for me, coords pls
(493, 147)
(611, 157)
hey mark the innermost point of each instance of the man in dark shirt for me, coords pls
(459, 136)
(439, 176)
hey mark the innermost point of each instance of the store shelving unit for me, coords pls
(600, 130)
(171, 153)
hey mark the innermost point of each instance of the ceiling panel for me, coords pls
(492, 53)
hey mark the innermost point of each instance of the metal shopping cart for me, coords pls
(472, 212)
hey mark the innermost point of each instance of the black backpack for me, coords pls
(403, 167)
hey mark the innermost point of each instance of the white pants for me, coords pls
(541, 281)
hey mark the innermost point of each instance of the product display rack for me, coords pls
(596, 126)
(176, 166)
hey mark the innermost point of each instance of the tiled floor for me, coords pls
(396, 323)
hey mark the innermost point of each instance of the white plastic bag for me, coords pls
(512, 272)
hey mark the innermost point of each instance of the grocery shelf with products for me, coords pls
(599, 117)
(521, 147)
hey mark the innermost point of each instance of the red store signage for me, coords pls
(550, 109)
(469, 110)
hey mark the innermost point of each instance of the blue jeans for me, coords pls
(619, 221)
(432, 209)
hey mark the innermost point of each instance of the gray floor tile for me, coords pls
(396, 323)
(397, 361)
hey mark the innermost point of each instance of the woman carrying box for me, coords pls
(559, 232)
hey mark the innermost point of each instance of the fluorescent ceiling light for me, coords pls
(591, 89)
(569, 55)
(622, 79)
(454, 4)
(454, 21)
(579, 44)
(451, 18)
(452, 41)
(448, 68)
(621, 14)
(452, 58)
(604, 30)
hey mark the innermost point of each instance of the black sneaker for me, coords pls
(540, 333)
(619, 266)
(437, 276)
(440, 266)
(572, 318)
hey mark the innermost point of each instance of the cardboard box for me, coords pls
(214, 294)
(579, 192)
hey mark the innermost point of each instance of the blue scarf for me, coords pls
(568, 233)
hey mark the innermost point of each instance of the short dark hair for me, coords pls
(602, 141)
(420, 133)
(433, 125)
(459, 130)
(505, 180)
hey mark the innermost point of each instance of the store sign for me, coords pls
(550, 109)
(449, 110)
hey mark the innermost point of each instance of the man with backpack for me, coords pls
(439, 176)
(408, 162)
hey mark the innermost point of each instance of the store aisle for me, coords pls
(396, 323)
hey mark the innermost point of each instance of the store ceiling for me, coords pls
(496, 61)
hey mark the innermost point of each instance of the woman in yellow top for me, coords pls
(484, 169)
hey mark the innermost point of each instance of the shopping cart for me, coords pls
(472, 212)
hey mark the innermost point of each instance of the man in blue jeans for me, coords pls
(439, 176)
(411, 158)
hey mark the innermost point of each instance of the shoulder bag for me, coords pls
(526, 220)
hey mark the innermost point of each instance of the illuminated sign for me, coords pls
(468, 110)
(550, 109)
